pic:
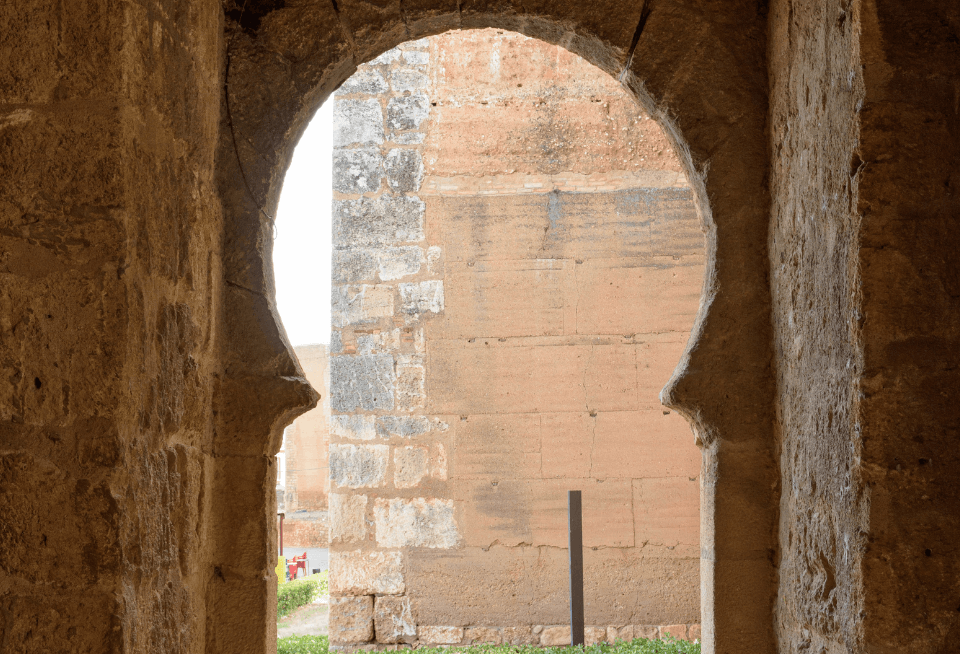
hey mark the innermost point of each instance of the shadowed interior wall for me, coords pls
(866, 137)
(503, 338)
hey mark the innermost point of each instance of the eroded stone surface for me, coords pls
(362, 382)
(432, 635)
(348, 518)
(356, 572)
(393, 620)
(351, 619)
(358, 466)
(417, 522)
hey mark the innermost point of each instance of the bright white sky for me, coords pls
(302, 249)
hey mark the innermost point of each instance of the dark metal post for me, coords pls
(576, 567)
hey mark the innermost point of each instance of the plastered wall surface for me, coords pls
(307, 448)
(506, 342)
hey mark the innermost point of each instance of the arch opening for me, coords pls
(695, 81)
(517, 266)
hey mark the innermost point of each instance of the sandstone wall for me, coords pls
(307, 448)
(519, 265)
(111, 242)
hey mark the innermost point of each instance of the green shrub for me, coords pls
(303, 645)
(294, 594)
(320, 645)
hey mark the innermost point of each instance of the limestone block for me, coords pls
(366, 573)
(408, 138)
(675, 630)
(358, 466)
(357, 121)
(410, 384)
(693, 632)
(356, 305)
(409, 466)
(408, 111)
(402, 426)
(478, 635)
(362, 382)
(416, 57)
(385, 220)
(393, 620)
(439, 635)
(438, 461)
(434, 262)
(408, 79)
(594, 635)
(404, 170)
(351, 619)
(366, 80)
(348, 522)
(520, 636)
(336, 342)
(351, 266)
(422, 297)
(624, 633)
(358, 170)
(388, 57)
(555, 636)
(417, 522)
(398, 262)
(648, 631)
(359, 427)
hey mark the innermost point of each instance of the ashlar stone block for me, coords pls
(555, 636)
(352, 266)
(594, 635)
(408, 79)
(362, 382)
(358, 466)
(398, 262)
(357, 305)
(483, 635)
(356, 427)
(408, 111)
(422, 297)
(402, 426)
(357, 122)
(351, 619)
(404, 170)
(366, 573)
(366, 80)
(358, 170)
(348, 520)
(416, 522)
(520, 636)
(382, 221)
(440, 635)
(393, 620)
(410, 466)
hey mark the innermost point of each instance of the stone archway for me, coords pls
(702, 75)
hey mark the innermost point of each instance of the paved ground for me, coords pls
(309, 620)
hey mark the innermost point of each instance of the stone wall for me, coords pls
(518, 265)
(307, 449)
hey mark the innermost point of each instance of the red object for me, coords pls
(296, 564)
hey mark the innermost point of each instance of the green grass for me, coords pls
(669, 645)
(294, 594)
(303, 645)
